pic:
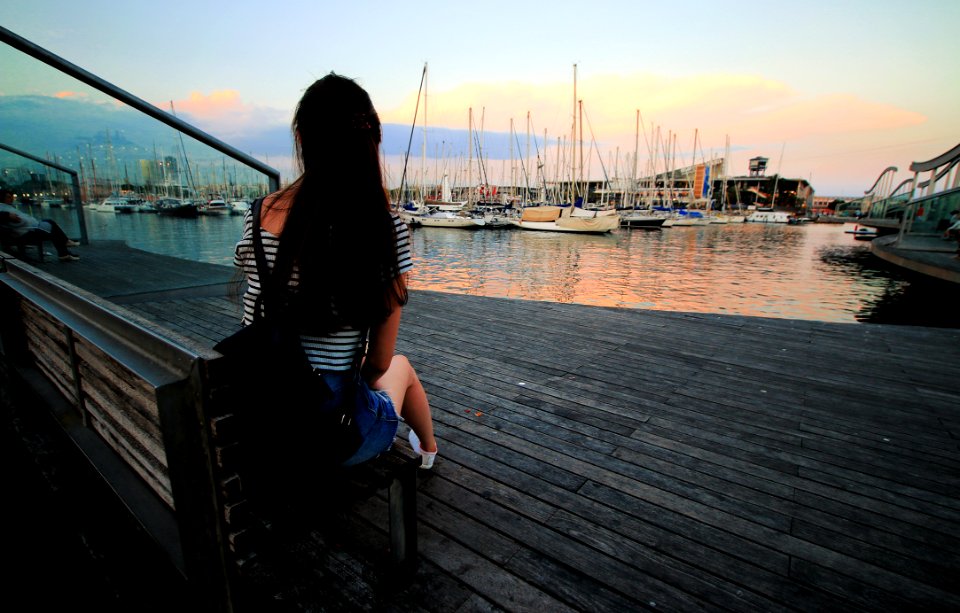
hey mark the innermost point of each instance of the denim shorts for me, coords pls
(378, 421)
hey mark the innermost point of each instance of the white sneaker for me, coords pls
(426, 457)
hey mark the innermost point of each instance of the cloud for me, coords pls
(746, 107)
(69, 94)
(225, 115)
(761, 116)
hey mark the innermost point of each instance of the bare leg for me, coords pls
(404, 388)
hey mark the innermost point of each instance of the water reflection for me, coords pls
(748, 269)
(815, 271)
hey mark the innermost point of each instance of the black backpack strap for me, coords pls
(260, 257)
(263, 271)
(273, 281)
(271, 284)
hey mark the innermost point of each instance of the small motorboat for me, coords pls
(862, 234)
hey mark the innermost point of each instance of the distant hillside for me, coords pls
(65, 127)
(40, 124)
(68, 127)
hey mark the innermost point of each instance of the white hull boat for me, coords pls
(561, 219)
(110, 205)
(441, 219)
(637, 219)
(216, 206)
(769, 217)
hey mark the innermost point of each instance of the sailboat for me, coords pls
(560, 219)
(726, 215)
(568, 218)
(437, 214)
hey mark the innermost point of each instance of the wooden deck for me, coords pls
(616, 460)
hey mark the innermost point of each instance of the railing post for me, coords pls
(907, 219)
(78, 200)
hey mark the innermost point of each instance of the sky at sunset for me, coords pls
(830, 91)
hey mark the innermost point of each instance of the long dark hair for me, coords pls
(339, 231)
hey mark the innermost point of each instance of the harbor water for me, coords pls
(811, 271)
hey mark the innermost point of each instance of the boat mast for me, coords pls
(186, 161)
(558, 174)
(470, 156)
(693, 164)
(423, 160)
(636, 154)
(526, 196)
(573, 140)
(484, 162)
(726, 157)
(406, 158)
(542, 168)
(580, 184)
(773, 199)
(513, 164)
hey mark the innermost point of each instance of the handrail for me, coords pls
(943, 172)
(903, 184)
(946, 192)
(154, 355)
(940, 160)
(57, 62)
(74, 181)
(888, 169)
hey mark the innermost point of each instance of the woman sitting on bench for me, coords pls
(344, 257)
(23, 228)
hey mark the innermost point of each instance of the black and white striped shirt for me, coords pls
(336, 351)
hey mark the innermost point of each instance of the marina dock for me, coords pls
(606, 459)
(927, 255)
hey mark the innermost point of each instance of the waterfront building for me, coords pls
(829, 205)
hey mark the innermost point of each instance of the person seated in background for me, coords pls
(953, 232)
(15, 224)
(950, 230)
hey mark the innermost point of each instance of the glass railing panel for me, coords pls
(932, 212)
(40, 191)
(142, 181)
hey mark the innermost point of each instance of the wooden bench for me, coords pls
(33, 238)
(306, 499)
(150, 411)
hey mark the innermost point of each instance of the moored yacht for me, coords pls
(437, 217)
(769, 217)
(214, 206)
(641, 218)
